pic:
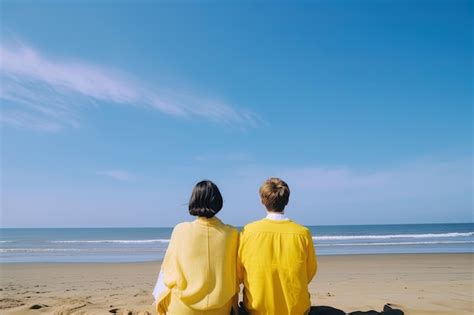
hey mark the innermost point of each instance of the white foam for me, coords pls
(32, 250)
(390, 236)
(84, 250)
(317, 238)
(113, 241)
(397, 243)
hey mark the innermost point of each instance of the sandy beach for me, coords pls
(417, 283)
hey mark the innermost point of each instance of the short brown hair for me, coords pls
(275, 194)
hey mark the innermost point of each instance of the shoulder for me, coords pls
(252, 226)
(230, 229)
(181, 226)
(299, 228)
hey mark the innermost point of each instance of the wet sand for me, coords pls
(417, 283)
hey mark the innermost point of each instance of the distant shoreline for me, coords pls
(160, 261)
(237, 226)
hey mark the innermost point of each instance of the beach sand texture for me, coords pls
(417, 283)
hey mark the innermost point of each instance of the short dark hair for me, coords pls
(206, 200)
(275, 194)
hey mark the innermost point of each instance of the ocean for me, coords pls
(148, 244)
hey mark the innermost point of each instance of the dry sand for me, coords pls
(419, 284)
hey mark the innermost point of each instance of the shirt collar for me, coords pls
(278, 216)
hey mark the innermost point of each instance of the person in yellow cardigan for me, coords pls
(198, 274)
(276, 258)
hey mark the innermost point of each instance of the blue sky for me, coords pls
(111, 113)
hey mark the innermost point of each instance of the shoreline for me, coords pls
(158, 261)
(417, 283)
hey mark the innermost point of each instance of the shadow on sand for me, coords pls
(328, 310)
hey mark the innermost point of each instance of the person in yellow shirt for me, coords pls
(276, 258)
(199, 274)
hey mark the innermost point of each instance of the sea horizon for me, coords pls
(236, 226)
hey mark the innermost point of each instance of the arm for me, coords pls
(159, 286)
(240, 267)
(311, 262)
(240, 275)
(166, 277)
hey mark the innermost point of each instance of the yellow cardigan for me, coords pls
(200, 266)
(276, 261)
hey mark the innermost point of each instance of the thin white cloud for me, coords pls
(120, 175)
(50, 91)
(410, 192)
(25, 119)
(419, 177)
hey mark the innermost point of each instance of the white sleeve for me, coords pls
(159, 286)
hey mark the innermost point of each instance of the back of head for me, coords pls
(275, 194)
(206, 200)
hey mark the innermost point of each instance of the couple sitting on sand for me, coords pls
(207, 260)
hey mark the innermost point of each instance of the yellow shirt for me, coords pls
(276, 261)
(200, 266)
